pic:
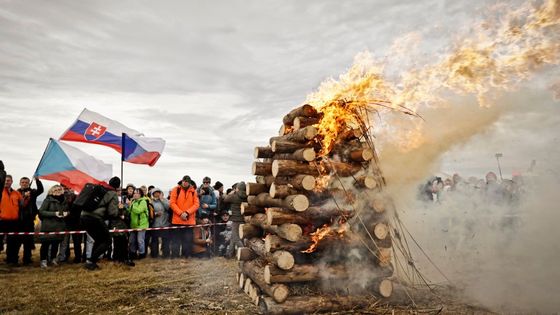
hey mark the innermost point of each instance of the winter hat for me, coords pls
(156, 189)
(115, 182)
(218, 185)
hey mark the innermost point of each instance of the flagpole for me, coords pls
(41, 160)
(122, 159)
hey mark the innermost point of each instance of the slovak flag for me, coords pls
(71, 167)
(142, 150)
(92, 127)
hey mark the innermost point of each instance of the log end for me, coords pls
(370, 182)
(254, 168)
(385, 288)
(280, 293)
(284, 260)
(381, 230)
(275, 166)
(378, 205)
(367, 154)
(243, 206)
(300, 203)
(241, 281)
(308, 182)
(309, 154)
(267, 274)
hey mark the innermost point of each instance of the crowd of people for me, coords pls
(492, 190)
(189, 221)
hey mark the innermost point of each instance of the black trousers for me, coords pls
(120, 247)
(44, 251)
(182, 242)
(99, 231)
(13, 242)
(27, 240)
(154, 243)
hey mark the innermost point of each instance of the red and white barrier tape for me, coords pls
(111, 231)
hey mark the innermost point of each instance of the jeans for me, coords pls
(64, 252)
(234, 241)
(137, 242)
(120, 247)
(89, 246)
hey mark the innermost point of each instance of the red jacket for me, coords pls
(183, 201)
(9, 206)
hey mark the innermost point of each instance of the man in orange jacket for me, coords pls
(9, 219)
(184, 203)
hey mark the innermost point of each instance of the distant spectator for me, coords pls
(207, 199)
(223, 235)
(10, 204)
(235, 198)
(184, 203)
(202, 239)
(94, 222)
(139, 219)
(72, 224)
(52, 213)
(162, 219)
(27, 214)
(121, 239)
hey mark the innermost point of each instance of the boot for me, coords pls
(43, 264)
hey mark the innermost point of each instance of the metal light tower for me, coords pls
(498, 156)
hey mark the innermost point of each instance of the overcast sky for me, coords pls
(213, 78)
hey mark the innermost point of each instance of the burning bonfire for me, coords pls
(316, 217)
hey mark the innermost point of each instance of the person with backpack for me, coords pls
(139, 211)
(162, 219)
(52, 213)
(93, 221)
(184, 203)
(235, 198)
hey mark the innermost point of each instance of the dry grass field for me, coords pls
(158, 286)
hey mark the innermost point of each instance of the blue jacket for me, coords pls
(209, 199)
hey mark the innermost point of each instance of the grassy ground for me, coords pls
(160, 286)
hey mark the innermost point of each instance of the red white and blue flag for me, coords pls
(91, 127)
(71, 167)
(142, 150)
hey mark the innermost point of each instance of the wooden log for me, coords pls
(284, 130)
(289, 231)
(277, 215)
(282, 259)
(383, 287)
(361, 155)
(349, 134)
(383, 256)
(263, 152)
(303, 155)
(302, 182)
(245, 254)
(278, 292)
(305, 110)
(246, 285)
(293, 202)
(281, 191)
(301, 122)
(340, 168)
(248, 231)
(247, 209)
(256, 188)
(241, 280)
(293, 168)
(262, 168)
(378, 205)
(366, 182)
(301, 136)
(303, 273)
(380, 230)
(274, 243)
(314, 304)
(283, 146)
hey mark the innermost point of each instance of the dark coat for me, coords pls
(108, 207)
(28, 212)
(235, 199)
(2, 176)
(49, 220)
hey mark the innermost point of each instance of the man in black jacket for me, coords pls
(2, 180)
(94, 222)
(27, 214)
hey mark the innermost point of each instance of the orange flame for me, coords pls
(492, 57)
(323, 232)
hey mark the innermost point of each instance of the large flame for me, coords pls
(322, 232)
(495, 56)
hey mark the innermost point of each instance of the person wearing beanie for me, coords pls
(235, 198)
(184, 203)
(94, 222)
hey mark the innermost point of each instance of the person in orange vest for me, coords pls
(10, 204)
(184, 203)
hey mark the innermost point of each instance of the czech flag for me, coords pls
(91, 127)
(71, 167)
(142, 150)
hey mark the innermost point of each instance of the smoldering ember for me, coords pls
(421, 176)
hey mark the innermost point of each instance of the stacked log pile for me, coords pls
(315, 216)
